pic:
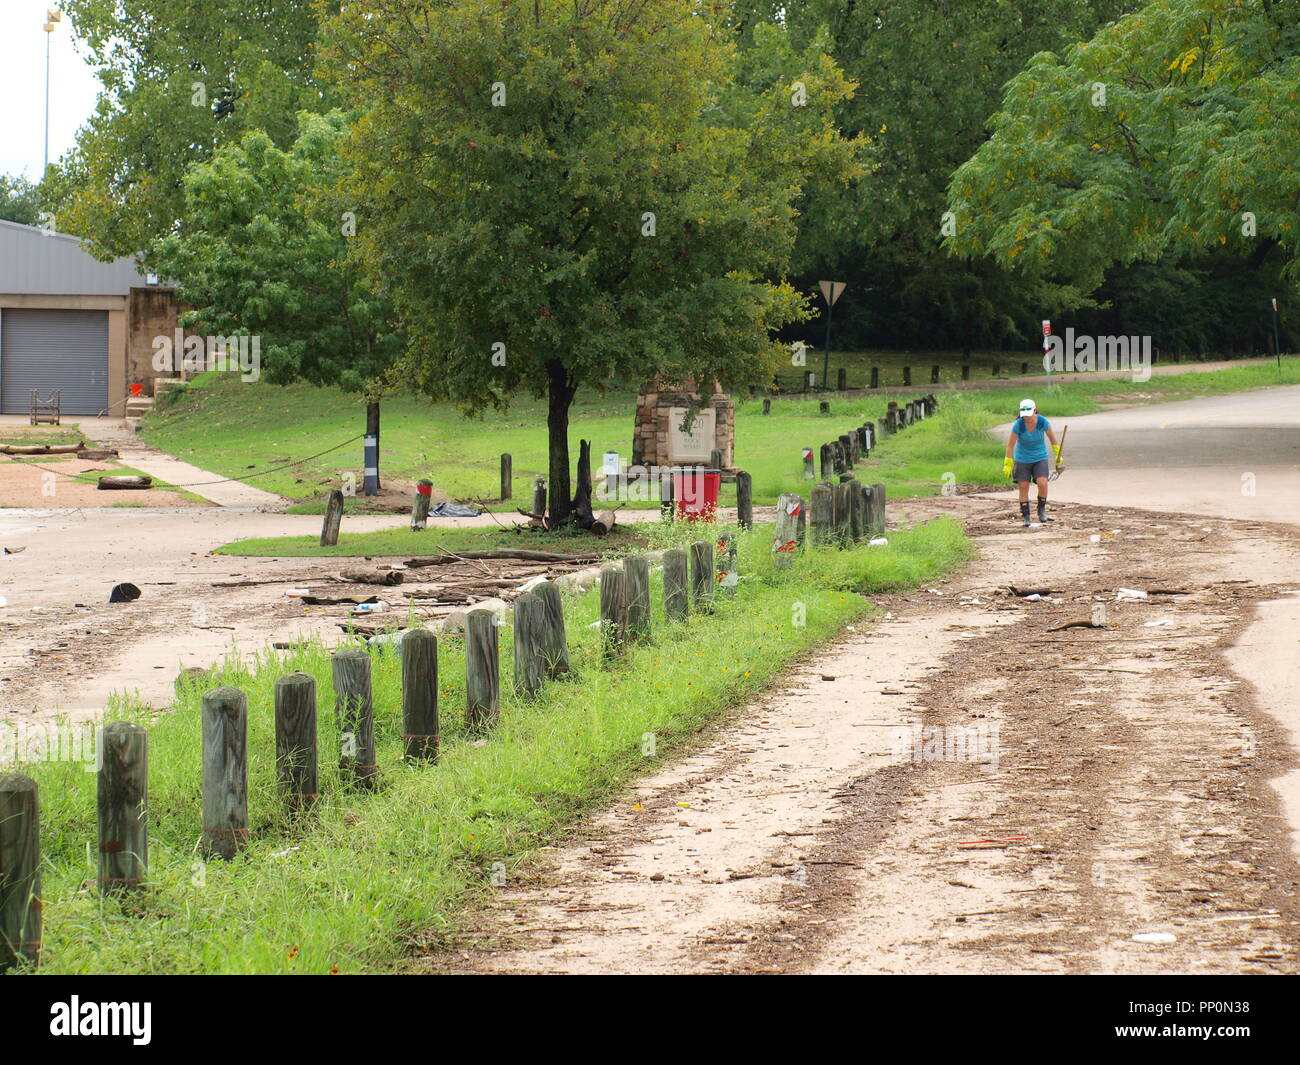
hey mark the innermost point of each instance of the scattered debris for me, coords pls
(14, 550)
(1129, 593)
(124, 593)
(372, 576)
(1154, 937)
(1079, 623)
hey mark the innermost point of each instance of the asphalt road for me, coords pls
(1234, 456)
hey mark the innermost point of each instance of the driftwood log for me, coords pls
(125, 482)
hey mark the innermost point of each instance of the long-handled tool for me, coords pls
(1057, 472)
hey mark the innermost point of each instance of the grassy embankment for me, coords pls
(377, 877)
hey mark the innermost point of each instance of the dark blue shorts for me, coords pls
(1029, 471)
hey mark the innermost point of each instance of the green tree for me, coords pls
(559, 196)
(929, 73)
(180, 79)
(20, 200)
(1170, 132)
(263, 250)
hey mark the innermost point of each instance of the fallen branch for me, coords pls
(527, 556)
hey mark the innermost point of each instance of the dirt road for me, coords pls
(959, 788)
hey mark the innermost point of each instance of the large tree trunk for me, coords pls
(560, 395)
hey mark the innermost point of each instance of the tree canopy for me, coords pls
(263, 250)
(559, 196)
(180, 79)
(1174, 131)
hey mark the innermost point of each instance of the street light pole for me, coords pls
(52, 15)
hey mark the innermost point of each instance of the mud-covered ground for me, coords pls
(957, 787)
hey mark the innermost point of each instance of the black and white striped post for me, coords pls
(370, 479)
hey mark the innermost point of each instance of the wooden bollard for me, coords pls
(539, 497)
(809, 472)
(225, 772)
(842, 379)
(420, 507)
(354, 710)
(329, 533)
(857, 512)
(728, 576)
(767, 406)
(482, 671)
(636, 590)
(807, 380)
(744, 500)
(965, 371)
(864, 492)
(824, 407)
(702, 575)
(907, 376)
(847, 446)
(827, 461)
(715, 459)
(855, 447)
(841, 513)
(613, 609)
(676, 598)
(876, 520)
(297, 769)
(820, 513)
(785, 539)
(934, 375)
(530, 667)
(997, 369)
(555, 651)
(1024, 367)
(420, 731)
(864, 441)
(507, 475)
(123, 807)
(20, 871)
(875, 377)
(837, 457)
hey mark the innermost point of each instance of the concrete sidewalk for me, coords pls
(133, 451)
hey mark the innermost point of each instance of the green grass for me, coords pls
(377, 877)
(236, 429)
(35, 436)
(402, 542)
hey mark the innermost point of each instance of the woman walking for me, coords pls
(1026, 458)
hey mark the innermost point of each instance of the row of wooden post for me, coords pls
(689, 581)
(540, 654)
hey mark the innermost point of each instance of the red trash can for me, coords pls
(695, 492)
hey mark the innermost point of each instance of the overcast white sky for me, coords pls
(73, 87)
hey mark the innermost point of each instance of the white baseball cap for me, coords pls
(1027, 406)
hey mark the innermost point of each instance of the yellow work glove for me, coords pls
(1006, 467)
(1057, 449)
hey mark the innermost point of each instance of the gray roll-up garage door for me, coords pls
(45, 350)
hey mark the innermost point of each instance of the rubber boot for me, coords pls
(1024, 514)
(1042, 511)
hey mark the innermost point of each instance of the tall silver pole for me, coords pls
(46, 167)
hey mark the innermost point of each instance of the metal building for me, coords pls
(73, 323)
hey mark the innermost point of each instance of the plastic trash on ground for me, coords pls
(879, 541)
(1129, 593)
